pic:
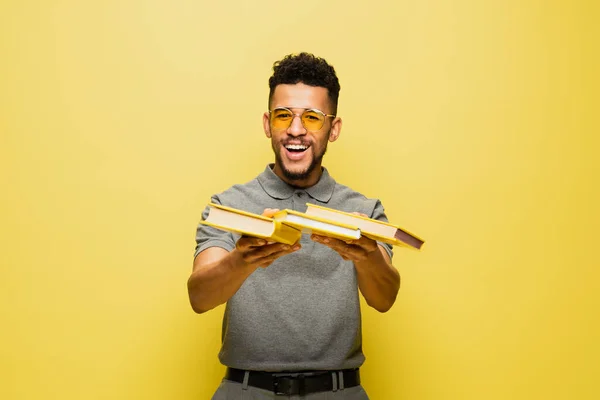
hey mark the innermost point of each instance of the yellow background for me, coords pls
(476, 124)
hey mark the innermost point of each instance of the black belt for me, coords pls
(295, 383)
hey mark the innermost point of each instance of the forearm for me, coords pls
(213, 284)
(378, 281)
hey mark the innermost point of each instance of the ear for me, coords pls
(336, 129)
(267, 124)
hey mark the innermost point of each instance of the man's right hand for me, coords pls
(218, 273)
(255, 252)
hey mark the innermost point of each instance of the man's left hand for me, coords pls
(354, 250)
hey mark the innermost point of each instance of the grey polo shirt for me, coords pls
(303, 311)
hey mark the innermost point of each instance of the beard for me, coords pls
(299, 175)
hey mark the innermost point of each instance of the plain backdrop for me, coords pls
(475, 123)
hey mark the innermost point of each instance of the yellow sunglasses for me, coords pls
(312, 119)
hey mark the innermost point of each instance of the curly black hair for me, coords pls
(308, 69)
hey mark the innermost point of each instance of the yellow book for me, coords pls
(371, 228)
(319, 226)
(246, 223)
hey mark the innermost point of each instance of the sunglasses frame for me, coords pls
(300, 116)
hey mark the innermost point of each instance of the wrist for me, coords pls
(373, 258)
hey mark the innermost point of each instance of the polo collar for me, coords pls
(278, 189)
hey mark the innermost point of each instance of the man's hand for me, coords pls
(255, 252)
(259, 253)
(218, 273)
(354, 250)
(378, 280)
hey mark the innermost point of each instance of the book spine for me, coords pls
(286, 234)
(409, 239)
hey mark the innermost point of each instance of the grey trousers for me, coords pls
(229, 390)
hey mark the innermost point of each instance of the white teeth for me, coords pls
(296, 147)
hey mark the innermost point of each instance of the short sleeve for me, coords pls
(207, 236)
(379, 214)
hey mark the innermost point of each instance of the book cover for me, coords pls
(317, 225)
(250, 224)
(377, 230)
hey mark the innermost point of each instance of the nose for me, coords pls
(296, 128)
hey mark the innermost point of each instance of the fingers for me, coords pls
(265, 253)
(325, 240)
(354, 250)
(268, 251)
(269, 212)
(268, 260)
(364, 242)
(245, 243)
(265, 261)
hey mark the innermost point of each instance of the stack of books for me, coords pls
(287, 226)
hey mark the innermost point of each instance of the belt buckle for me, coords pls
(288, 385)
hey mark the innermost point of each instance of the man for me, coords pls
(292, 324)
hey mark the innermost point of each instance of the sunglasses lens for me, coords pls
(281, 118)
(312, 120)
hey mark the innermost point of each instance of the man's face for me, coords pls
(298, 151)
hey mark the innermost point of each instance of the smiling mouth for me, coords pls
(296, 148)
